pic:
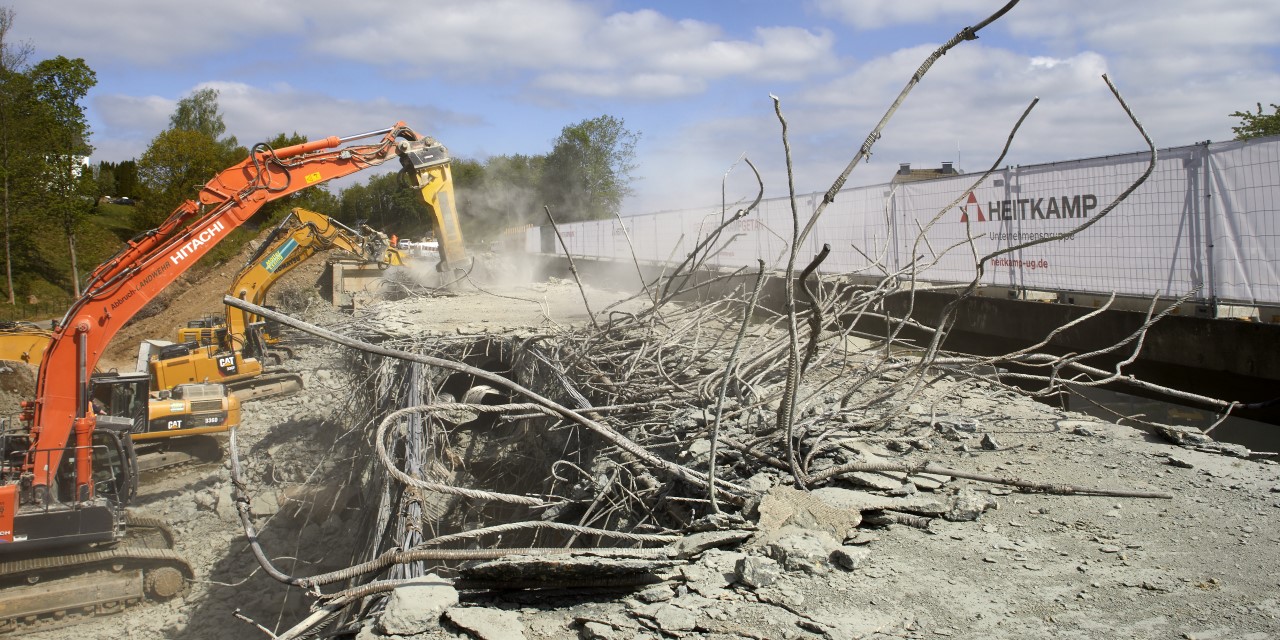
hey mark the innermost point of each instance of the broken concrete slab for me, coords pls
(695, 544)
(785, 506)
(966, 505)
(758, 571)
(850, 558)
(416, 607)
(483, 623)
(802, 550)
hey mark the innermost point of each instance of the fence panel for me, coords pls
(1207, 219)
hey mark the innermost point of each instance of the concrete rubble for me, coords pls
(883, 550)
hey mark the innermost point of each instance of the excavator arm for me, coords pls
(304, 233)
(296, 239)
(121, 286)
(430, 169)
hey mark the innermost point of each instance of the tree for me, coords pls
(199, 112)
(1257, 125)
(60, 84)
(127, 180)
(174, 166)
(106, 179)
(588, 172)
(14, 90)
(182, 158)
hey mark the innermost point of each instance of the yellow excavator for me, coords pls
(183, 410)
(23, 342)
(237, 353)
(301, 235)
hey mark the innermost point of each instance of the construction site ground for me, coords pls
(1031, 565)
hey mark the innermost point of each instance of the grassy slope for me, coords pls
(46, 292)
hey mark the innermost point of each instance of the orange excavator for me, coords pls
(68, 545)
(241, 353)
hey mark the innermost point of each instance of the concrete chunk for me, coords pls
(487, 624)
(694, 544)
(756, 572)
(416, 607)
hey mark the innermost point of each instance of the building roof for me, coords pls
(906, 174)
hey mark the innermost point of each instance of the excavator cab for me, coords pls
(186, 409)
(70, 517)
(205, 331)
(115, 464)
(255, 342)
(122, 395)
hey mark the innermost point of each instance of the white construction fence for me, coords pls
(1207, 219)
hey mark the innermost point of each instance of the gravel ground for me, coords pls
(1031, 565)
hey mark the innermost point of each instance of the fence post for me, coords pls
(1211, 270)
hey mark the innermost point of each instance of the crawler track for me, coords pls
(54, 591)
(179, 453)
(272, 383)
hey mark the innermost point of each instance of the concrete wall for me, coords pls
(1217, 345)
(351, 278)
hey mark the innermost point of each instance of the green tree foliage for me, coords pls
(199, 112)
(15, 102)
(182, 158)
(105, 179)
(385, 204)
(175, 165)
(588, 172)
(60, 84)
(118, 179)
(127, 184)
(1257, 125)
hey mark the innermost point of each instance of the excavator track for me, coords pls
(178, 453)
(55, 591)
(268, 385)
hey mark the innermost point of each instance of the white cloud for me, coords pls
(645, 85)
(254, 114)
(1149, 24)
(153, 33)
(134, 114)
(469, 41)
(466, 37)
(873, 14)
(567, 46)
(971, 98)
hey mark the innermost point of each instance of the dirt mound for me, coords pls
(17, 383)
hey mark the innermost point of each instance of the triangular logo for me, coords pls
(964, 211)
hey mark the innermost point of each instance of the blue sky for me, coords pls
(490, 77)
